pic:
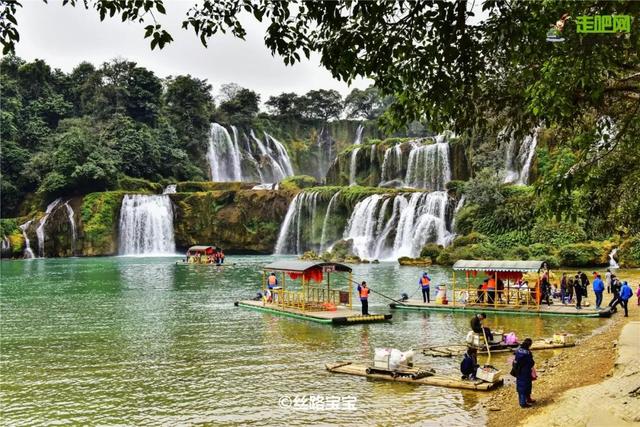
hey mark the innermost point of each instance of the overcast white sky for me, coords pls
(66, 36)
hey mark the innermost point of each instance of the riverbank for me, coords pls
(580, 385)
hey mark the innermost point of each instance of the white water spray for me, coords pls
(28, 252)
(72, 224)
(40, 232)
(146, 225)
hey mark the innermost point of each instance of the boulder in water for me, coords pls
(414, 261)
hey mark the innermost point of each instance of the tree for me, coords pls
(77, 162)
(189, 106)
(287, 104)
(241, 109)
(367, 104)
(321, 104)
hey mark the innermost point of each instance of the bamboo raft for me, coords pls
(351, 368)
(459, 349)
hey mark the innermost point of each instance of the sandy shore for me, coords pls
(587, 385)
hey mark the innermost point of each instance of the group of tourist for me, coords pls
(522, 368)
(217, 258)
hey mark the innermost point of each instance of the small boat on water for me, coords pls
(204, 255)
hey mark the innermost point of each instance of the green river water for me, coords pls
(141, 341)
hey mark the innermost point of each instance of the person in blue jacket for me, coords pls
(524, 364)
(424, 282)
(598, 289)
(625, 293)
(469, 364)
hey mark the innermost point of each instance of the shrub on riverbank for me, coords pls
(629, 252)
(99, 214)
(583, 254)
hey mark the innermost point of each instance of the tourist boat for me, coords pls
(363, 370)
(316, 291)
(201, 255)
(508, 300)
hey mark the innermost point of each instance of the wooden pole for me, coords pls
(350, 290)
(282, 297)
(454, 289)
(495, 290)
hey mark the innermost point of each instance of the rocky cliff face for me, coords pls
(231, 216)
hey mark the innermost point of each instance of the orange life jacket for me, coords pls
(364, 292)
(272, 280)
(491, 284)
(425, 281)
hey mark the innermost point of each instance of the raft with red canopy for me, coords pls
(317, 291)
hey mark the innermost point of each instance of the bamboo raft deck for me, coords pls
(542, 310)
(459, 349)
(342, 315)
(209, 264)
(351, 368)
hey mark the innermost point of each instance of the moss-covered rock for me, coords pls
(417, 262)
(139, 185)
(203, 186)
(98, 228)
(431, 251)
(298, 182)
(12, 239)
(245, 221)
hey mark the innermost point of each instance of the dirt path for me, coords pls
(561, 392)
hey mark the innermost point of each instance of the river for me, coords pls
(127, 340)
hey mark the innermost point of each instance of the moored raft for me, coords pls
(352, 368)
(457, 350)
(312, 298)
(508, 299)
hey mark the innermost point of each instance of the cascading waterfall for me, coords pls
(428, 166)
(170, 189)
(325, 222)
(519, 156)
(456, 210)
(412, 224)
(612, 261)
(354, 155)
(72, 223)
(40, 233)
(392, 163)
(146, 225)
(302, 208)
(28, 252)
(223, 155)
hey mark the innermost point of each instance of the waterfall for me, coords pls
(170, 189)
(423, 221)
(412, 224)
(428, 166)
(455, 211)
(519, 156)
(353, 165)
(28, 253)
(277, 173)
(612, 261)
(72, 223)
(290, 238)
(391, 164)
(354, 155)
(282, 158)
(362, 226)
(146, 225)
(40, 233)
(223, 155)
(325, 222)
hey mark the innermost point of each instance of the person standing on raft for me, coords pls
(363, 291)
(479, 328)
(424, 282)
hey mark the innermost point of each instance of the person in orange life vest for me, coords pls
(363, 290)
(424, 282)
(272, 281)
(491, 290)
